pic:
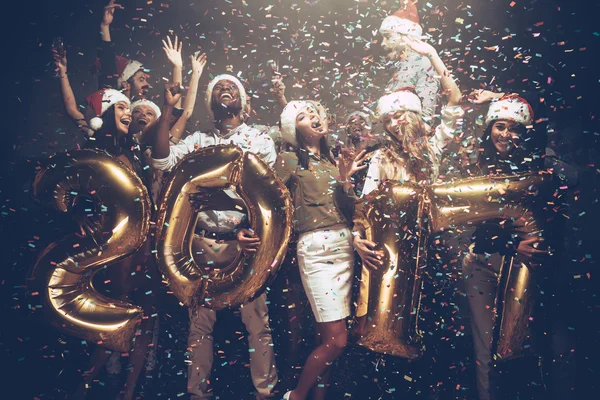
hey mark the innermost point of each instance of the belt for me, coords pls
(220, 236)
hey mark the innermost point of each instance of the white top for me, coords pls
(415, 70)
(248, 139)
(452, 120)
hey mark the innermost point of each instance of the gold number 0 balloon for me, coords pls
(390, 296)
(269, 208)
(521, 198)
(63, 273)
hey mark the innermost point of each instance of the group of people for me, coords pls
(325, 183)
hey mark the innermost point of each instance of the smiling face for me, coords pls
(226, 94)
(143, 116)
(138, 84)
(393, 122)
(357, 127)
(122, 117)
(505, 135)
(310, 125)
(394, 45)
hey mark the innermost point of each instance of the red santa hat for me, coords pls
(213, 83)
(510, 107)
(144, 102)
(127, 68)
(101, 101)
(405, 21)
(403, 99)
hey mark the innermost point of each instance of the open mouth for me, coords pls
(125, 121)
(316, 124)
(142, 121)
(226, 96)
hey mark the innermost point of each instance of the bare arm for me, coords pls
(198, 63)
(160, 147)
(172, 50)
(107, 19)
(67, 92)
(448, 84)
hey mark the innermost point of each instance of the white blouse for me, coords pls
(450, 126)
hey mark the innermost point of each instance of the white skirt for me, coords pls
(326, 260)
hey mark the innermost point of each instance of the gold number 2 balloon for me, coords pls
(63, 273)
(269, 207)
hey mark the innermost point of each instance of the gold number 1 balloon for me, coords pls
(389, 300)
(63, 273)
(521, 199)
(394, 218)
(267, 202)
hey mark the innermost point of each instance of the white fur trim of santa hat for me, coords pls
(510, 107)
(401, 26)
(130, 69)
(144, 102)
(101, 101)
(402, 100)
(288, 120)
(213, 83)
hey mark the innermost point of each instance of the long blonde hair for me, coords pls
(411, 151)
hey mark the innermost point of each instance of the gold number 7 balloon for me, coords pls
(210, 170)
(521, 198)
(63, 273)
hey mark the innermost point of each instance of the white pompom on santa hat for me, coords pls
(405, 21)
(403, 99)
(144, 102)
(127, 68)
(101, 101)
(511, 107)
(213, 83)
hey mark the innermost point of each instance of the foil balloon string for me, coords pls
(228, 282)
(64, 271)
(400, 219)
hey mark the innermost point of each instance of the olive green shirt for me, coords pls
(318, 195)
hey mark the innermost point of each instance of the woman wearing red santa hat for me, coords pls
(412, 68)
(509, 145)
(111, 124)
(322, 193)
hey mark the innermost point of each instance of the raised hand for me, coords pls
(277, 87)
(350, 163)
(109, 12)
(198, 63)
(60, 61)
(419, 46)
(172, 93)
(482, 96)
(173, 51)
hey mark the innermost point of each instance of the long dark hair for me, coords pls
(528, 156)
(303, 155)
(108, 137)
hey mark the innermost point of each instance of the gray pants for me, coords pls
(481, 283)
(255, 316)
